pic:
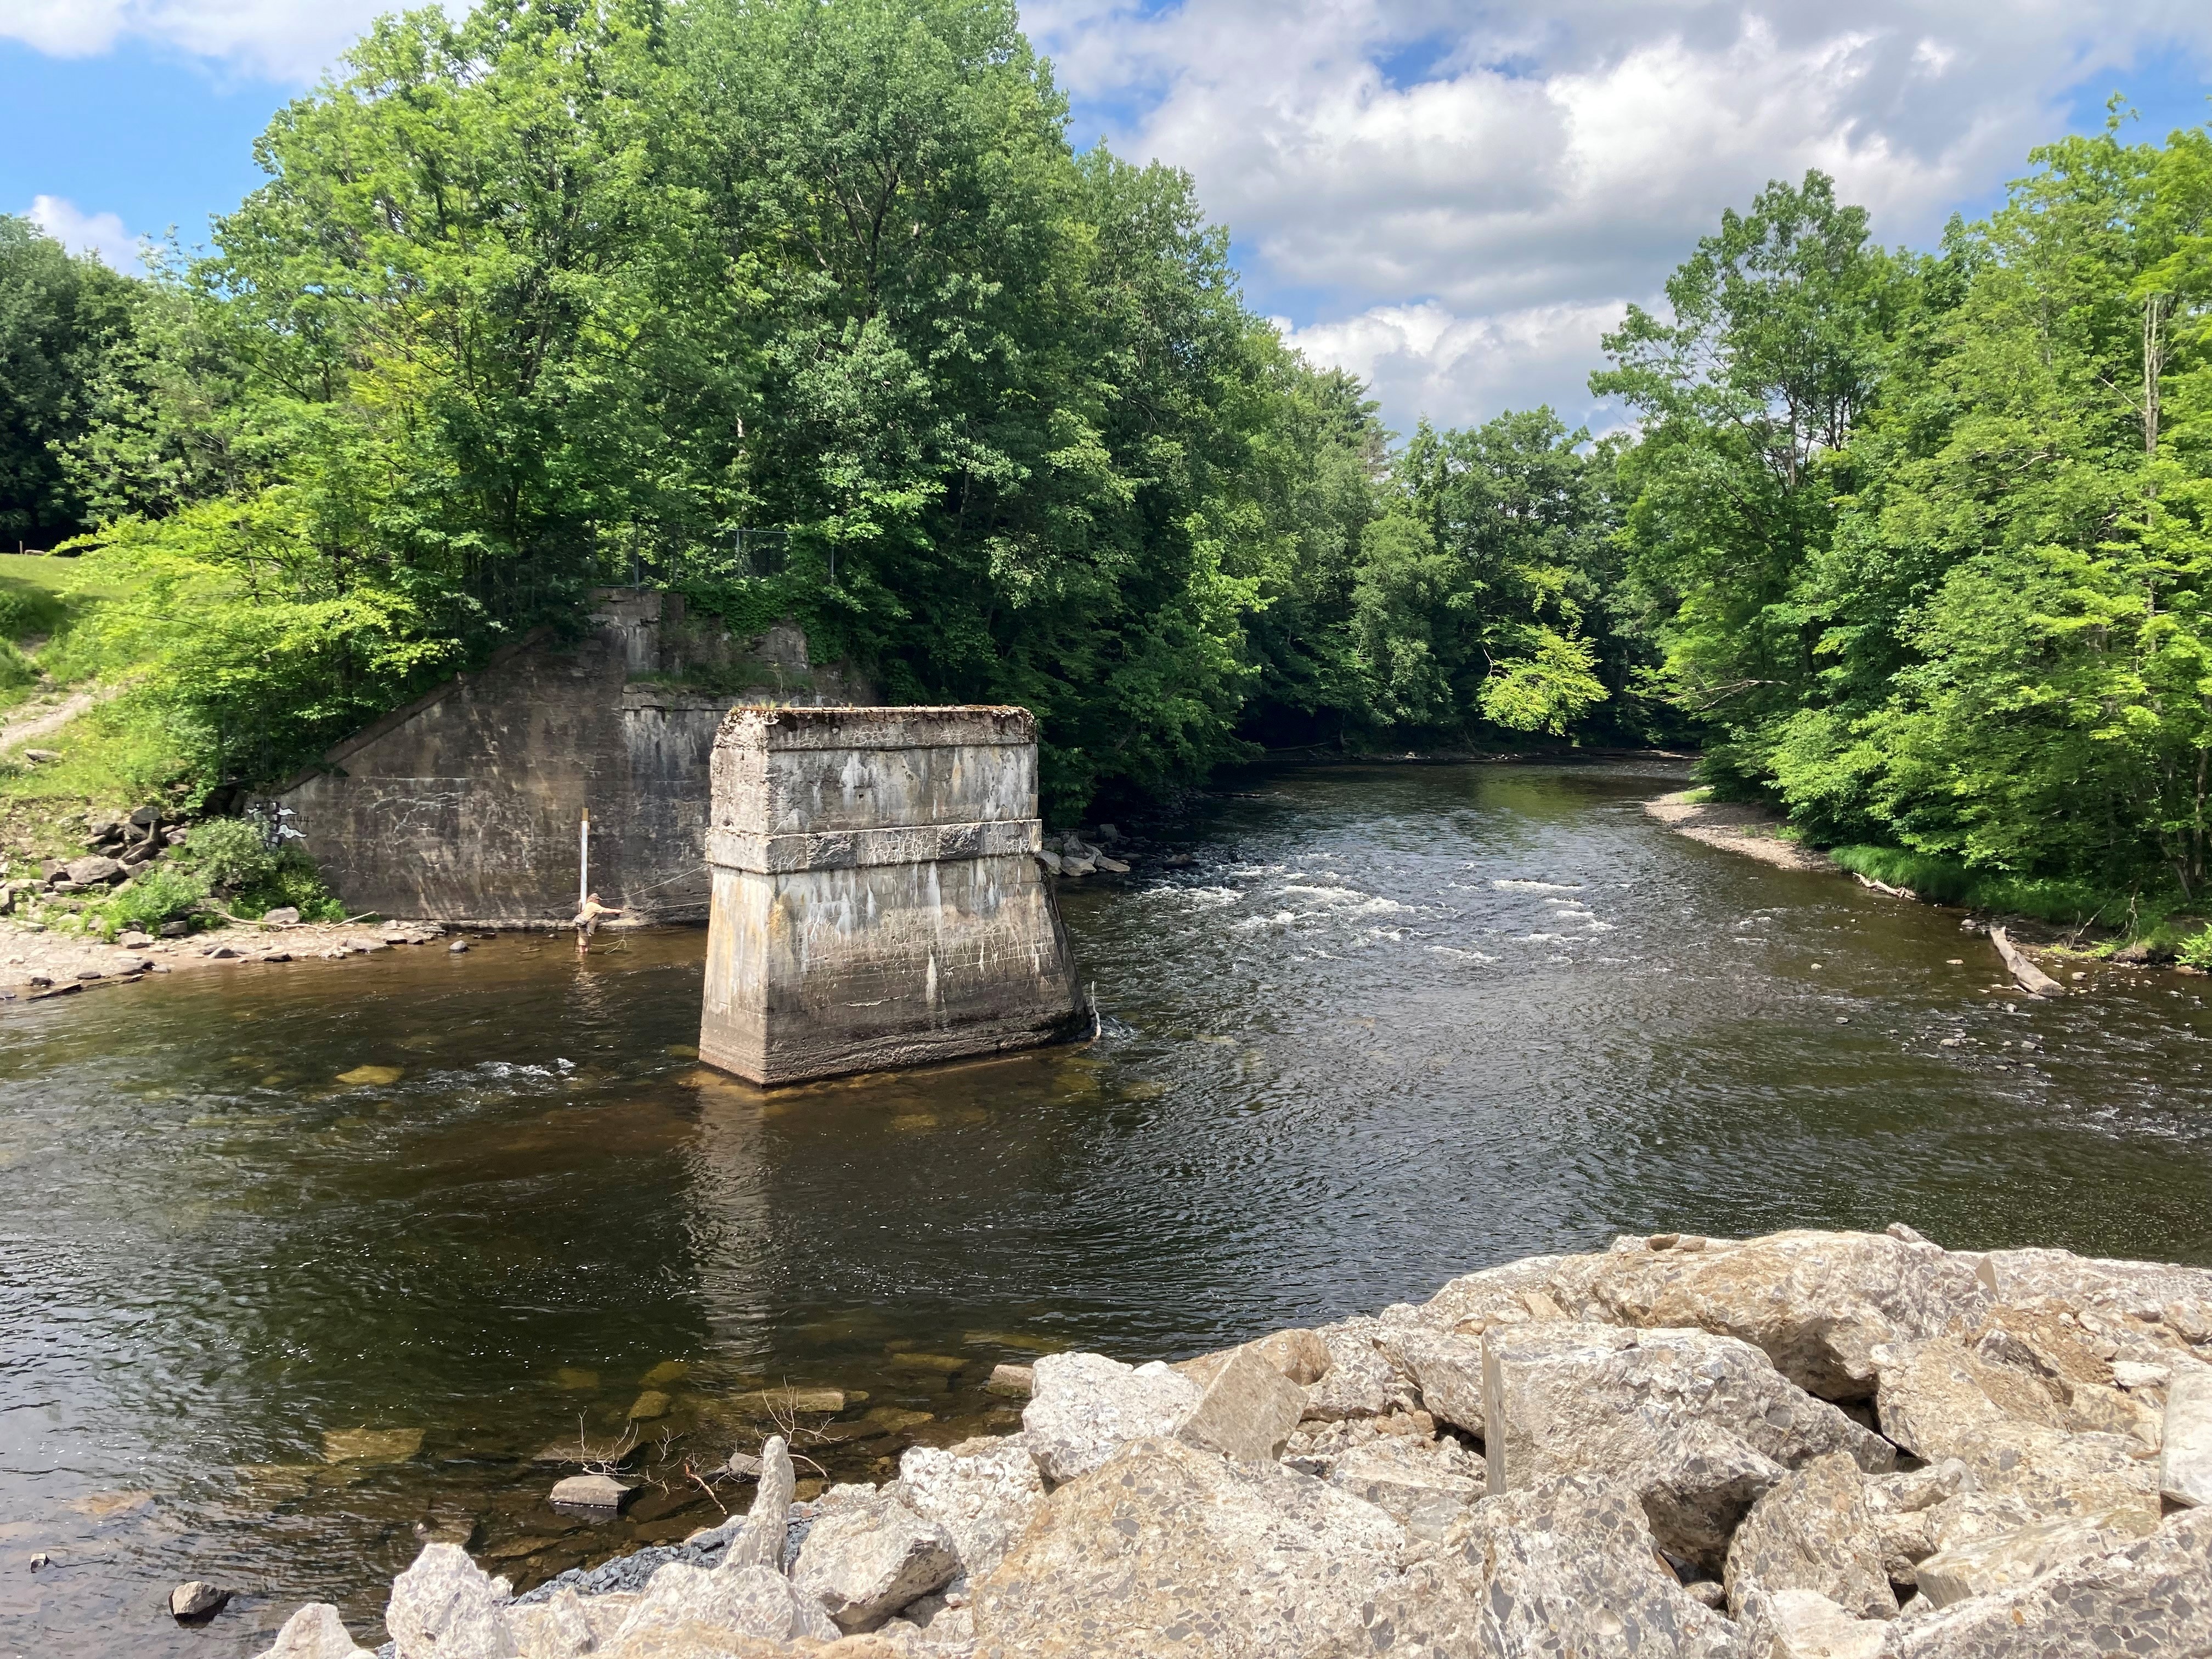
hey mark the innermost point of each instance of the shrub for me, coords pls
(155, 894)
(2195, 951)
(1945, 881)
(234, 856)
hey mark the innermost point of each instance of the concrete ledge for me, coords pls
(783, 728)
(854, 849)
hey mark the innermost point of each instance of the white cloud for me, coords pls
(285, 40)
(1457, 198)
(80, 231)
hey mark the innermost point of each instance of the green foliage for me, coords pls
(61, 316)
(235, 858)
(2195, 951)
(161, 892)
(1967, 617)
(555, 296)
(1946, 881)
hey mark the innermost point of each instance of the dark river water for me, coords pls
(1392, 1024)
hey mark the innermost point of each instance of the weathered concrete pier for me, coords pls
(877, 901)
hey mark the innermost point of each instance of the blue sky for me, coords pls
(1454, 199)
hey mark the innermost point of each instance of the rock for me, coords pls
(1076, 866)
(370, 1076)
(41, 757)
(566, 1626)
(1050, 859)
(222, 953)
(284, 915)
(1814, 1531)
(102, 826)
(2007, 1558)
(784, 1402)
(1939, 1399)
(1297, 1354)
(1802, 1624)
(315, 1631)
(371, 1445)
(2150, 1597)
(983, 1492)
(1112, 865)
(759, 1542)
(1815, 1303)
(2185, 1463)
(135, 940)
(139, 852)
(175, 929)
(445, 1607)
(1086, 1407)
(590, 1491)
(865, 1562)
(94, 868)
(1426, 1485)
(457, 946)
(1247, 1411)
(1446, 1369)
(649, 1405)
(1018, 1380)
(1166, 1545)
(682, 1602)
(1902, 1505)
(196, 1600)
(1566, 1568)
(1700, 1426)
(743, 1466)
(1361, 1380)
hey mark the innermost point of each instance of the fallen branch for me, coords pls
(2030, 978)
(1884, 887)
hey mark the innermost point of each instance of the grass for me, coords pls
(1945, 881)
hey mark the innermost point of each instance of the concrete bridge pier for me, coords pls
(877, 902)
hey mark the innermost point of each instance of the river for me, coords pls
(1390, 1025)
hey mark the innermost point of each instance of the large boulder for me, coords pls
(1362, 1380)
(1566, 1568)
(2184, 1466)
(1426, 1484)
(1903, 1507)
(1086, 1408)
(1446, 1367)
(1297, 1354)
(1699, 1426)
(2003, 1560)
(681, 1601)
(566, 1626)
(2150, 1597)
(1247, 1411)
(315, 1631)
(866, 1560)
(1813, 1530)
(1166, 1548)
(1815, 1303)
(1804, 1624)
(983, 1492)
(445, 1607)
(1939, 1399)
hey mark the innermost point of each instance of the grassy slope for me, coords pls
(112, 755)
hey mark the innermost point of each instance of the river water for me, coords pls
(1391, 1023)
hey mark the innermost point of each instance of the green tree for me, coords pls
(60, 316)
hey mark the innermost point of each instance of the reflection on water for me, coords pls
(272, 1329)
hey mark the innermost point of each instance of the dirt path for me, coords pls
(1735, 827)
(36, 720)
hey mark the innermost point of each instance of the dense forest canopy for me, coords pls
(810, 308)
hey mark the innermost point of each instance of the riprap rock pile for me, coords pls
(1841, 1445)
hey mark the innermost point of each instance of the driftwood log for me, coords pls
(2031, 978)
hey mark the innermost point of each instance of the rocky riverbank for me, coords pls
(1847, 1445)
